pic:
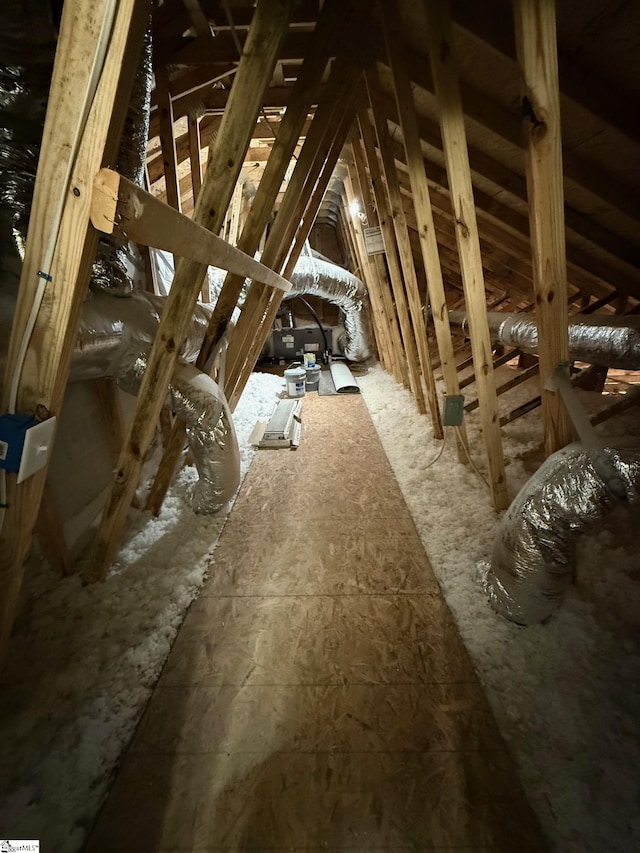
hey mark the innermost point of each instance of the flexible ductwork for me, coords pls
(314, 277)
(114, 340)
(534, 553)
(610, 341)
(196, 398)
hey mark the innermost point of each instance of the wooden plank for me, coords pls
(50, 532)
(537, 54)
(497, 362)
(455, 147)
(401, 371)
(227, 154)
(167, 138)
(254, 228)
(401, 231)
(194, 156)
(422, 205)
(61, 241)
(520, 411)
(627, 401)
(112, 418)
(119, 206)
(234, 223)
(395, 273)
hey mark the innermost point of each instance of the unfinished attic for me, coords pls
(319, 435)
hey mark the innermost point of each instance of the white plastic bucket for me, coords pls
(295, 378)
(313, 377)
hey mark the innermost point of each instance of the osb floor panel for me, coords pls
(318, 696)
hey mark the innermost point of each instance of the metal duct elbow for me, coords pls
(329, 281)
(196, 398)
(114, 339)
(534, 552)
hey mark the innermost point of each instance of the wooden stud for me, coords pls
(401, 371)
(455, 147)
(296, 217)
(234, 224)
(367, 273)
(111, 409)
(66, 253)
(537, 54)
(50, 532)
(404, 250)
(167, 138)
(225, 162)
(299, 189)
(395, 273)
(422, 204)
(254, 229)
(194, 156)
(527, 374)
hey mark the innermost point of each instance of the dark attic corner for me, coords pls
(319, 435)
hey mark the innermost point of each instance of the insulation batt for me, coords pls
(533, 559)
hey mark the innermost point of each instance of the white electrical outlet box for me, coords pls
(38, 442)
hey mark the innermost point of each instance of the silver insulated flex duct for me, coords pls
(195, 397)
(534, 552)
(609, 341)
(114, 340)
(316, 277)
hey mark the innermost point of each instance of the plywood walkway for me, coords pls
(318, 696)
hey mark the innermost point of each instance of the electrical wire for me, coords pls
(466, 453)
(317, 319)
(439, 453)
(44, 276)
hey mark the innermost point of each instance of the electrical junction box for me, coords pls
(25, 443)
(453, 410)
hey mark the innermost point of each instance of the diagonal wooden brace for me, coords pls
(122, 208)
